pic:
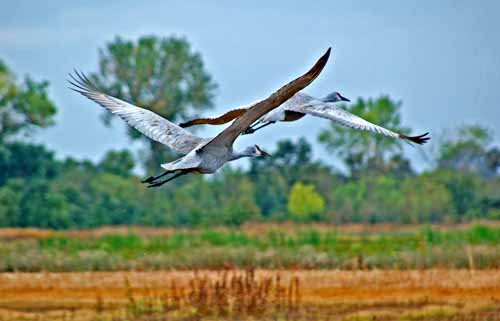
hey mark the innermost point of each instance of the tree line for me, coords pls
(462, 182)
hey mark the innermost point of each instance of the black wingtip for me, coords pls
(81, 81)
(327, 53)
(315, 70)
(420, 139)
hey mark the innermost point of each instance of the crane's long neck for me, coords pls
(248, 152)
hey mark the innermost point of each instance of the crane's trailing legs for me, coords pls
(158, 184)
(252, 129)
(151, 179)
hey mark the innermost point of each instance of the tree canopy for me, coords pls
(161, 74)
(468, 149)
(364, 150)
(24, 106)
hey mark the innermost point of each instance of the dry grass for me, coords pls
(24, 233)
(248, 228)
(263, 294)
(229, 294)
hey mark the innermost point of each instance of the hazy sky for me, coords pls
(441, 58)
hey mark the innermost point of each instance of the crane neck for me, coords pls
(248, 152)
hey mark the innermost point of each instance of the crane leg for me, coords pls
(158, 184)
(252, 129)
(151, 179)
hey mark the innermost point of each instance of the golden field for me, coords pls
(434, 294)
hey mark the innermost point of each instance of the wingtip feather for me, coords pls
(420, 139)
(80, 80)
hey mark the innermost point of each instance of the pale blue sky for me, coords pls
(441, 58)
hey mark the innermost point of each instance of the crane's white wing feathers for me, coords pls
(145, 121)
(343, 117)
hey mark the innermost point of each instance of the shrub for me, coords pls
(304, 203)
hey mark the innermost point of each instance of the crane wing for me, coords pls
(296, 100)
(228, 136)
(222, 119)
(145, 121)
(345, 118)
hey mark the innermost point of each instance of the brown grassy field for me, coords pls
(249, 228)
(436, 294)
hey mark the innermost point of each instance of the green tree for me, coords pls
(347, 201)
(304, 203)
(425, 199)
(23, 106)
(227, 199)
(9, 203)
(27, 161)
(365, 150)
(382, 199)
(161, 74)
(195, 203)
(120, 163)
(73, 184)
(236, 194)
(369, 199)
(468, 149)
(273, 177)
(41, 206)
(271, 192)
(463, 188)
(116, 200)
(489, 199)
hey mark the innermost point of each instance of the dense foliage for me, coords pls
(23, 106)
(42, 191)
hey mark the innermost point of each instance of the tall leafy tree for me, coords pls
(468, 149)
(162, 74)
(236, 194)
(118, 162)
(41, 206)
(274, 177)
(26, 161)
(10, 195)
(365, 150)
(24, 105)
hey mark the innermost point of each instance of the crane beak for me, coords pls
(344, 98)
(265, 154)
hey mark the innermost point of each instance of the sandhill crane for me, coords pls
(285, 112)
(201, 155)
(302, 104)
